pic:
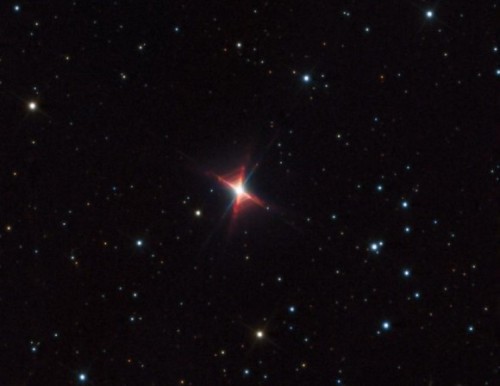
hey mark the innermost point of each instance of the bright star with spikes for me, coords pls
(235, 182)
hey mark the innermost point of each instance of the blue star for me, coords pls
(386, 325)
(82, 377)
(405, 204)
(429, 14)
(139, 243)
(291, 309)
(375, 247)
(407, 229)
(306, 78)
(406, 273)
(16, 8)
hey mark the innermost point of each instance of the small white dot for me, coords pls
(259, 334)
(429, 14)
(32, 106)
(139, 243)
(197, 213)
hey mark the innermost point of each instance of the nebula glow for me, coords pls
(235, 181)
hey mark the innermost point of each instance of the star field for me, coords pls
(265, 193)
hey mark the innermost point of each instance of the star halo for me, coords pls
(236, 182)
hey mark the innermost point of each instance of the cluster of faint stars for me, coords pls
(373, 246)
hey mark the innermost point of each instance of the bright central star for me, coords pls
(235, 182)
(239, 190)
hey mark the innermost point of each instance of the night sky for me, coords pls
(249, 193)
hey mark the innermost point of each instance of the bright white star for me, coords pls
(239, 189)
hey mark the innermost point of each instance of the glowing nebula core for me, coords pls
(235, 181)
